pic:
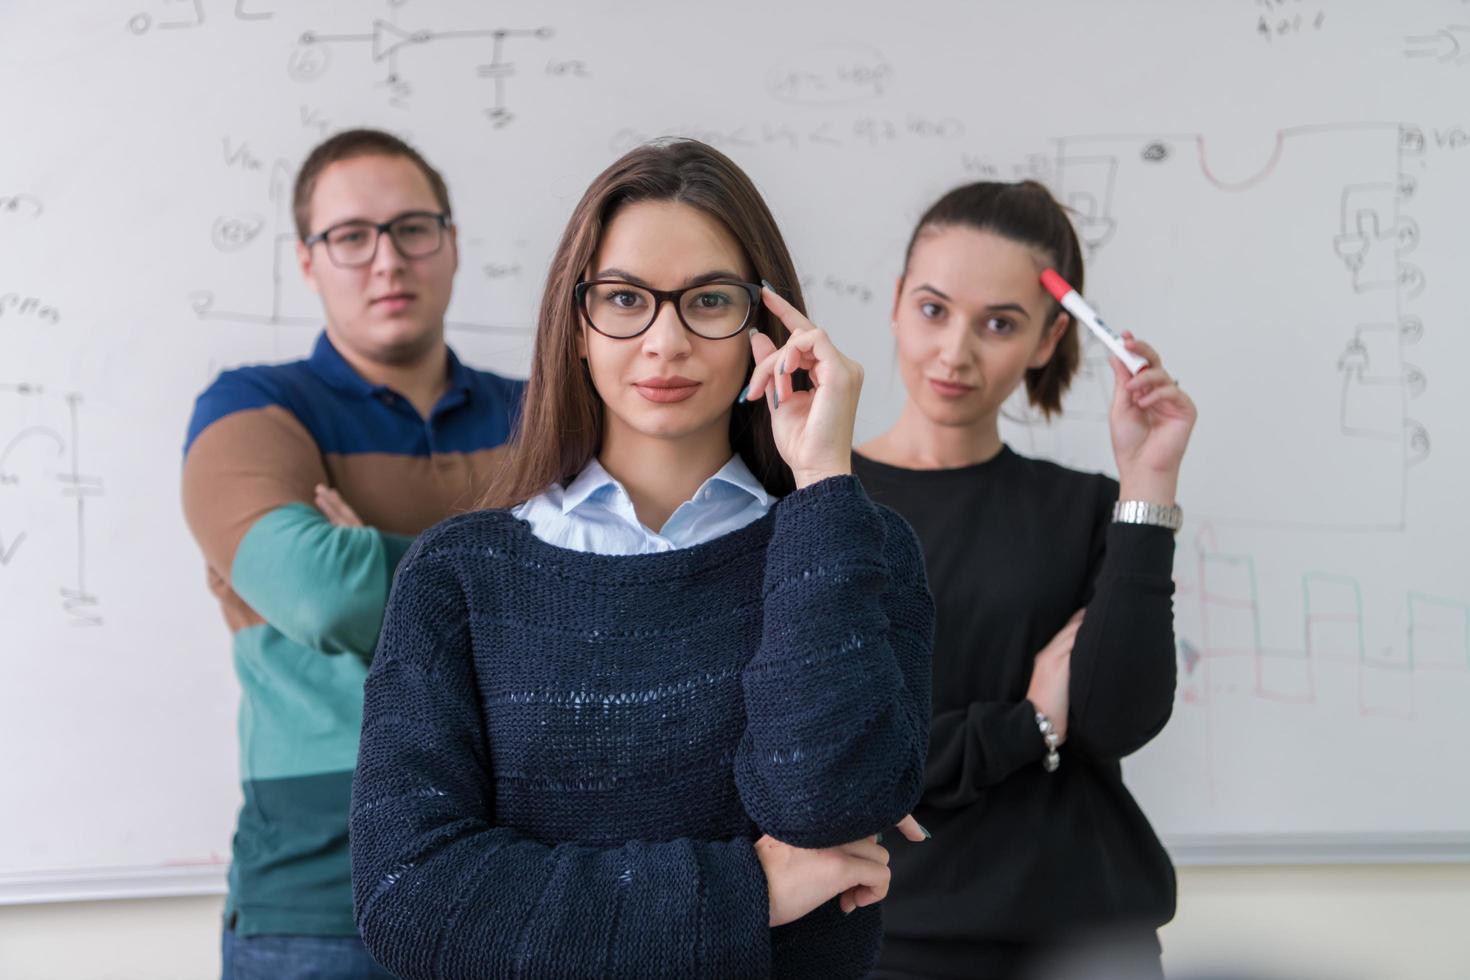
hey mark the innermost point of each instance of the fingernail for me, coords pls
(768, 286)
(744, 394)
(879, 836)
(752, 332)
(924, 830)
(781, 367)
(776, 394)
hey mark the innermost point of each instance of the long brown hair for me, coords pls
(1027, 214)
(560, 425)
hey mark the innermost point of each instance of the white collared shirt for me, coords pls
(594, 513)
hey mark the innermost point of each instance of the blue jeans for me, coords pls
(298, 958)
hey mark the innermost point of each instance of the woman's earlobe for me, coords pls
(1058, 329)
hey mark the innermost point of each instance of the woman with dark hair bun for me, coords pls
(646, 713)
(1054, 644)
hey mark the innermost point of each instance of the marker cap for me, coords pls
(1055, 284)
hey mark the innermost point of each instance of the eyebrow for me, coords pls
(1016, 308)
(922, 287)
(370, 221)
(698, 280)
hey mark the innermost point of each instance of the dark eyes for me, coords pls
(998, 325)
(712, 300)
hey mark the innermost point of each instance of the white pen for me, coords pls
(1074, 304)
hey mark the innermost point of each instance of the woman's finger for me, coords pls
(813, 351)
(912, 829)
(1147, 378)
(866, 849)
(1142, 349)
(761, 346)
(765, 368)
(1120, 383)
(790, 316)
(807, 350)
(810, 348)
(789, 362)
(867, 880)
(1169, 394)
(870, 875)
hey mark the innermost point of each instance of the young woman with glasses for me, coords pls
(645, 714)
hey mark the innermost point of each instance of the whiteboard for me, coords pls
(1273, 191)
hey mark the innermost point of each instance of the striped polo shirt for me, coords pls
(304, 600)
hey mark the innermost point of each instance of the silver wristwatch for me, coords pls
(1143, 512)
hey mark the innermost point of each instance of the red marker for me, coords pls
(1074, 304)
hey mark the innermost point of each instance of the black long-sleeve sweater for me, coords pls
(1022, 857)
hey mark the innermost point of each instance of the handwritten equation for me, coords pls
(41, 461)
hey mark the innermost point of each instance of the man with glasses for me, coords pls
(304, 484)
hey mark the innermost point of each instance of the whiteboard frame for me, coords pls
(1205, 850)
(1259, 850)
(169, 881)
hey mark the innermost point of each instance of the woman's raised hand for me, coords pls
(813, 429)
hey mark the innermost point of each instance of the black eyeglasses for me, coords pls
(352, 244)
(712, 310)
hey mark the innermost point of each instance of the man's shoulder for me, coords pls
(250, 387)
(510, 390)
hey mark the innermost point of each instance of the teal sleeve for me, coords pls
(396, 546)
(321, 585)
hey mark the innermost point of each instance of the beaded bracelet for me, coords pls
(1049, 735)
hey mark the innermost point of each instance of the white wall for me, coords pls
(1343, 923)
